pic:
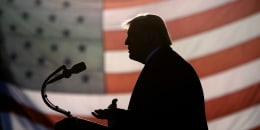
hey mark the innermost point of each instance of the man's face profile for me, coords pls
(137, 42)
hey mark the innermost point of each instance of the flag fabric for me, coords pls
(220, 38)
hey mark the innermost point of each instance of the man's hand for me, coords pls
(109, 113)
(112, 112)
(104, 113)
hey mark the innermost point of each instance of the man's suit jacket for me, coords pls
(167, 94)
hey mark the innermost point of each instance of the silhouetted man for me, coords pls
(168, 93)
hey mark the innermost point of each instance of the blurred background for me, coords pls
(220, 38)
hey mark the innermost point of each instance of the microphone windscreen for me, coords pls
(78, 68)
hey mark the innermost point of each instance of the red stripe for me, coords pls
(55, 118)
(121, 83)
(197, 23)
(10, 105)
(205, 66)
(234, 102)
(227, 58)
(126, 3)
(256, 128)
(213, 18)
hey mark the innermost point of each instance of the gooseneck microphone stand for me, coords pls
(45, 97)
(70, 122)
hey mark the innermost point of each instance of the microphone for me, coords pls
(67, 72)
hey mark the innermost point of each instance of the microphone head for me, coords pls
(78, 68)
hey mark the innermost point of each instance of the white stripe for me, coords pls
(168, 9)
(77, 104)
(231, 80)
(82, 104)
(195, 46)
(243, 120)
(119, 62)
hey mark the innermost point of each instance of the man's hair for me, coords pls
(152, 23)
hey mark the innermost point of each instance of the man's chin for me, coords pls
(135, 59)
(132, 57)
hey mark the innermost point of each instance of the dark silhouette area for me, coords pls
(5, 73)
(168, 93)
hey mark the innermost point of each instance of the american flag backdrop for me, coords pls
(220, 38)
